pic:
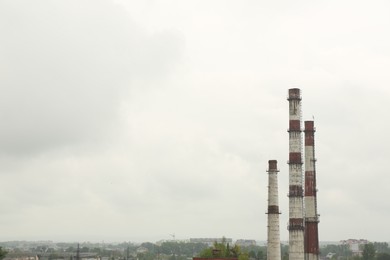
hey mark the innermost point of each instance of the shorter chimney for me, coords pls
(273, 244)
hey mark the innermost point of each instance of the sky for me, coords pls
(135, 120)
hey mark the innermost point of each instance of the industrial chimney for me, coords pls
(311, 216)
(296, 224)
(273, 244)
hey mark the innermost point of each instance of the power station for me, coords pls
(303, 217)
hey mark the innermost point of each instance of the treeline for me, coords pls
(122, 251)
(170, 250)
(370, 251)
(176, 250)
(184, 251)
(225, 250)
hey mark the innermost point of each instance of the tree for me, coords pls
(3, 253)
(150, 246)
(260, 255)
(84, 249)
(284, 251)
(381, 247)
(369, 252)
(340, 251)
(235, 251)
(285, 256)
(145, 256)
(243, 256)
(227, 254)
(383, 256)
(206, 253)
(223, 250)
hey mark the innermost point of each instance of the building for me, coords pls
(245, 242)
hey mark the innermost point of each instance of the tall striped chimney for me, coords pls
(312, 250)
(296, 224)
(273, 244)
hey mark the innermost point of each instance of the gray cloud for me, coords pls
(148, 118)
(67, 65)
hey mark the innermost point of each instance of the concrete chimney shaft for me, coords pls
(273, 243)
(312, 250)
(296, 223)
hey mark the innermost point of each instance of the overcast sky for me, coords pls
(133, 120)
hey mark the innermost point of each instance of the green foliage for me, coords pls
(382, 247)
(369, 251)
(218, 250)
(54, 256)
(243, 256)
(260, 255)
(285, 256)
(70, 249)
(236, 252)
(206, 253)
(284, 251)
(255, 252)
(341, 251)
(3, 253)
(227, 254)
(84, 249)
(383, 256)
(224, 250)
(150, 246)
(180, 248)
(145, 256)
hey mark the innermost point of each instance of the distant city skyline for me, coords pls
(139, 242)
